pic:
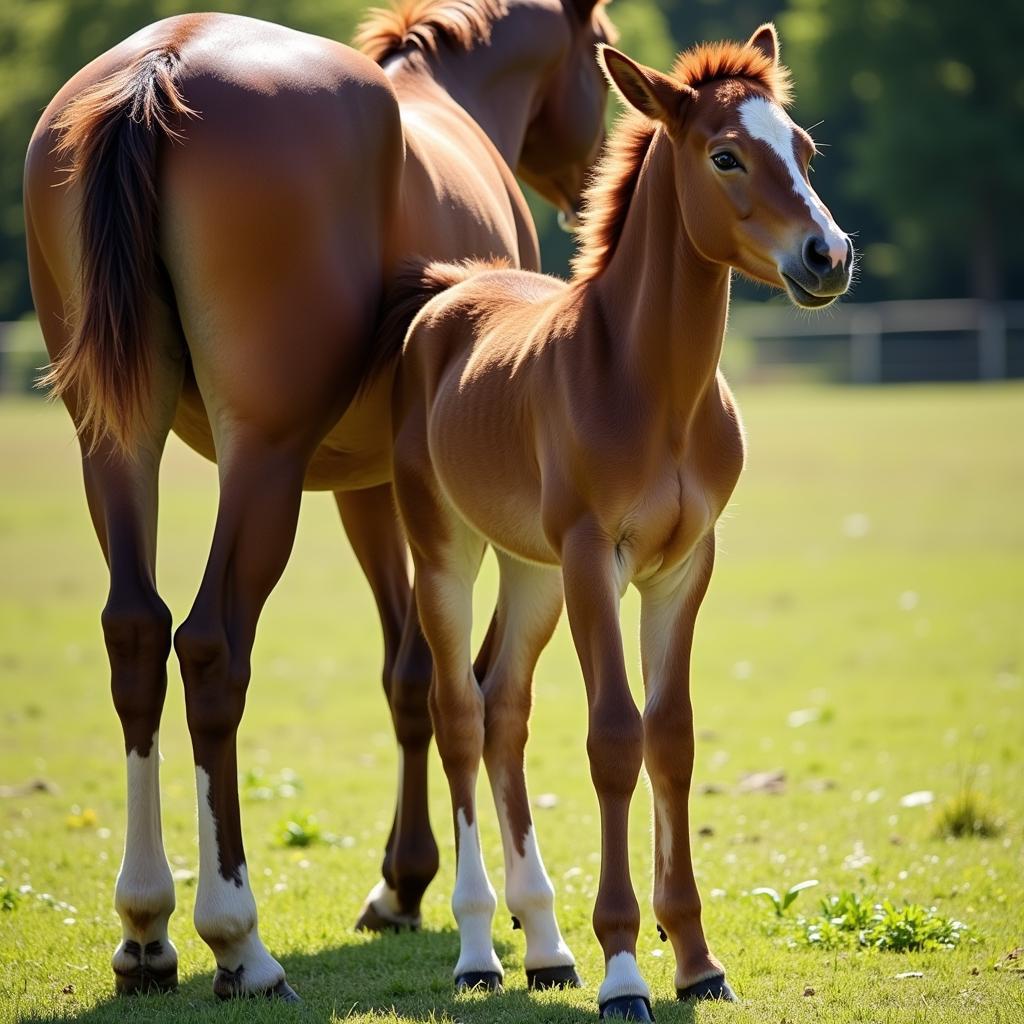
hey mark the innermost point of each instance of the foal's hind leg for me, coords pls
(529, 603)
(410, 857)
(261, 487)
(446, 557)
(669, 609)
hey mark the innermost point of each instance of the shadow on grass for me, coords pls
(406, 976)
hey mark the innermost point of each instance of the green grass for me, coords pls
(863, 633)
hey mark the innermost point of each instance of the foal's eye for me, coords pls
(725, 161)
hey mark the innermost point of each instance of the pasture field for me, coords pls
(864, 635)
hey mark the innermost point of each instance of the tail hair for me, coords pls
(110, 134)
(416, 283)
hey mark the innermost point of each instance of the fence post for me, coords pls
(4, 331)
(992, 343)
(866, 346)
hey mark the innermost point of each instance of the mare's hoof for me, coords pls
(541, 978)
(372, 920)
(226, 985)
(710, 988)
(144, 980)
(490, 981)
(627, 1008)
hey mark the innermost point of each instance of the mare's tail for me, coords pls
(415, 284)
(110, 134)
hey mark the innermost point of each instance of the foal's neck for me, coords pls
(667, 303)
(498, 85)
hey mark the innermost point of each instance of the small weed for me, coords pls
(256, 784)
(968, 814)
(300, 829)
(9, 898)
(848, 921)
(784, 902)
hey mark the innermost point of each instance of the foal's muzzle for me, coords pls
(811, 278)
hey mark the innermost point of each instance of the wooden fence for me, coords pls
(862, 343)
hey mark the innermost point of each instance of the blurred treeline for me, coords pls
(921, 104)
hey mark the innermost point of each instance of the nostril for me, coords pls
(848, 262)
(816, 255)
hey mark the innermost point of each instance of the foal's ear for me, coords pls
(643, 88)
(766, 39)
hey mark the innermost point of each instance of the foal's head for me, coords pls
(741, 165)
(567, 128)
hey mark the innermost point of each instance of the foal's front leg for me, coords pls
(593, 585)
(669, 609)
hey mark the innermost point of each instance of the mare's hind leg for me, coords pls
(669, 609)
(137, 631)
(410, 857)
(529, 603)
(122, 497)
(260, 493)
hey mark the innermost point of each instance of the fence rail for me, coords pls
(865, 327)
(982, 341)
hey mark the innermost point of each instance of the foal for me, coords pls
(584, 431)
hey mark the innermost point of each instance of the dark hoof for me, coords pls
(489, 981)
(541, 978)
(371, 920)
(710, 988)
(627, 1008)
(145, 980)
(226, 985)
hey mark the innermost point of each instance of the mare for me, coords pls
(215, 211)
(584, 431)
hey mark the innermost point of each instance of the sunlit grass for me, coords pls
(861, 642)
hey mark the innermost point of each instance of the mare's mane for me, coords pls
(422, 25)
(615, 179)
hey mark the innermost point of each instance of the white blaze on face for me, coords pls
(768, 122)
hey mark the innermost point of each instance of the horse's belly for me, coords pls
(508, 516)
(487, 473)
(355, 454)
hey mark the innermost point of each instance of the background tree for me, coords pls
(922, 104)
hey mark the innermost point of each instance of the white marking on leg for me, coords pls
(382, 897)
(531, 899)
(144, 894)
(473, 904)
(622, 977)
(225, 913)
(767, 121)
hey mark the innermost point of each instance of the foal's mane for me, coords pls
(422, 25)
(615, 179)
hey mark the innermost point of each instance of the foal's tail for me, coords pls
(110, 133)
(415, 284)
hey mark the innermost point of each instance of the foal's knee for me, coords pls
(138, 640)
(668, 743)
(615, 746)
(215, 684)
